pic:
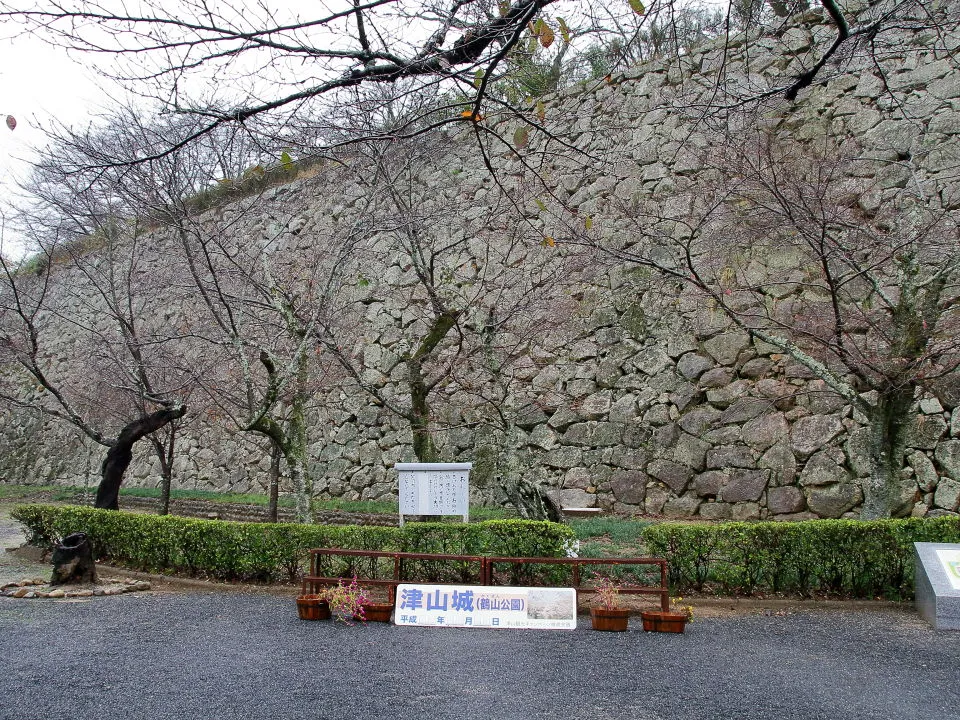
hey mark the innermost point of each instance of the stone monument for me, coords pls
(938, 584)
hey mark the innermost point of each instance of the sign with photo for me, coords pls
(950, 558)
(482, 606)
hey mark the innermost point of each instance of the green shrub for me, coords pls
(849, 558)
(274, 551)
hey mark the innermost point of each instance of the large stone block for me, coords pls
(927, 431)
(947, 496)
(725, 348)
(656, 498)
(699, 420)
(716, 378)
(948, 456)
(858, 451)
(637, 435)
(665, 437)
(716, 511)
(832, 501)
(710, 483)
(762, 432)
(624, 410)
(783, 500)
(821, 399)
(724, 456)
(596, 405)
(575, 497)
(692, 365)
(681, 507)
(781, 394)
(691, 451)
(725, 397)
(629, 460)
(745, 409)
(672, 474)
(593, 434)
(563, 457)
(813, 432)
(629, 486)
(744, 486)
(824, 468)
(652, 360)
(756, 368)
(542, 437)
(685, 396)
(746, 511)
(924, 471)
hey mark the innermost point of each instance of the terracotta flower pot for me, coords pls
(376, 612)
(609, 620)
(312, 607)
(658, 621)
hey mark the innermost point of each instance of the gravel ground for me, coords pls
(212, 655)
(216, 655)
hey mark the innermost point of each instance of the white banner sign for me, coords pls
(950, 558)
(434, 488)
(486, 607)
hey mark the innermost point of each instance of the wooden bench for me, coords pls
(581, 512)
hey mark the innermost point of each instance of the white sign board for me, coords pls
(434, 489)
(950, 558)
(486, 607)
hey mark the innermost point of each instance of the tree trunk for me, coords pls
(273, 509)
(121, 453)
(889, 428)
(298, 478)
(296, 450)
(423, 446)
(73, 561)
(164, 454)
(166, 479)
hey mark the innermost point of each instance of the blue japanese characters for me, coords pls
(482, 606)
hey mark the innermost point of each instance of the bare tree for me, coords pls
(264, 305)
(133, 389)
(788, 242)
(459, 312)
(277, 65)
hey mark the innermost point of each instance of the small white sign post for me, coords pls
(434, 489)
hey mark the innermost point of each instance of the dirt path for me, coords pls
(16, 566)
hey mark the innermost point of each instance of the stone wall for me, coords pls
(656, 403)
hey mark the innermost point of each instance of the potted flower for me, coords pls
(346, 601)
(660, 621)
(313, 606)
(607, 615)
(350, 601)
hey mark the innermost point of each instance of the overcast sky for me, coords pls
(38, 82)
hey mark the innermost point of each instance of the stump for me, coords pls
(73, 561)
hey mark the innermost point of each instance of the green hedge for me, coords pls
(270, 551)
(849, 558)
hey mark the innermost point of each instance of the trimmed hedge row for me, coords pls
(850, 558)
(271, 551)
